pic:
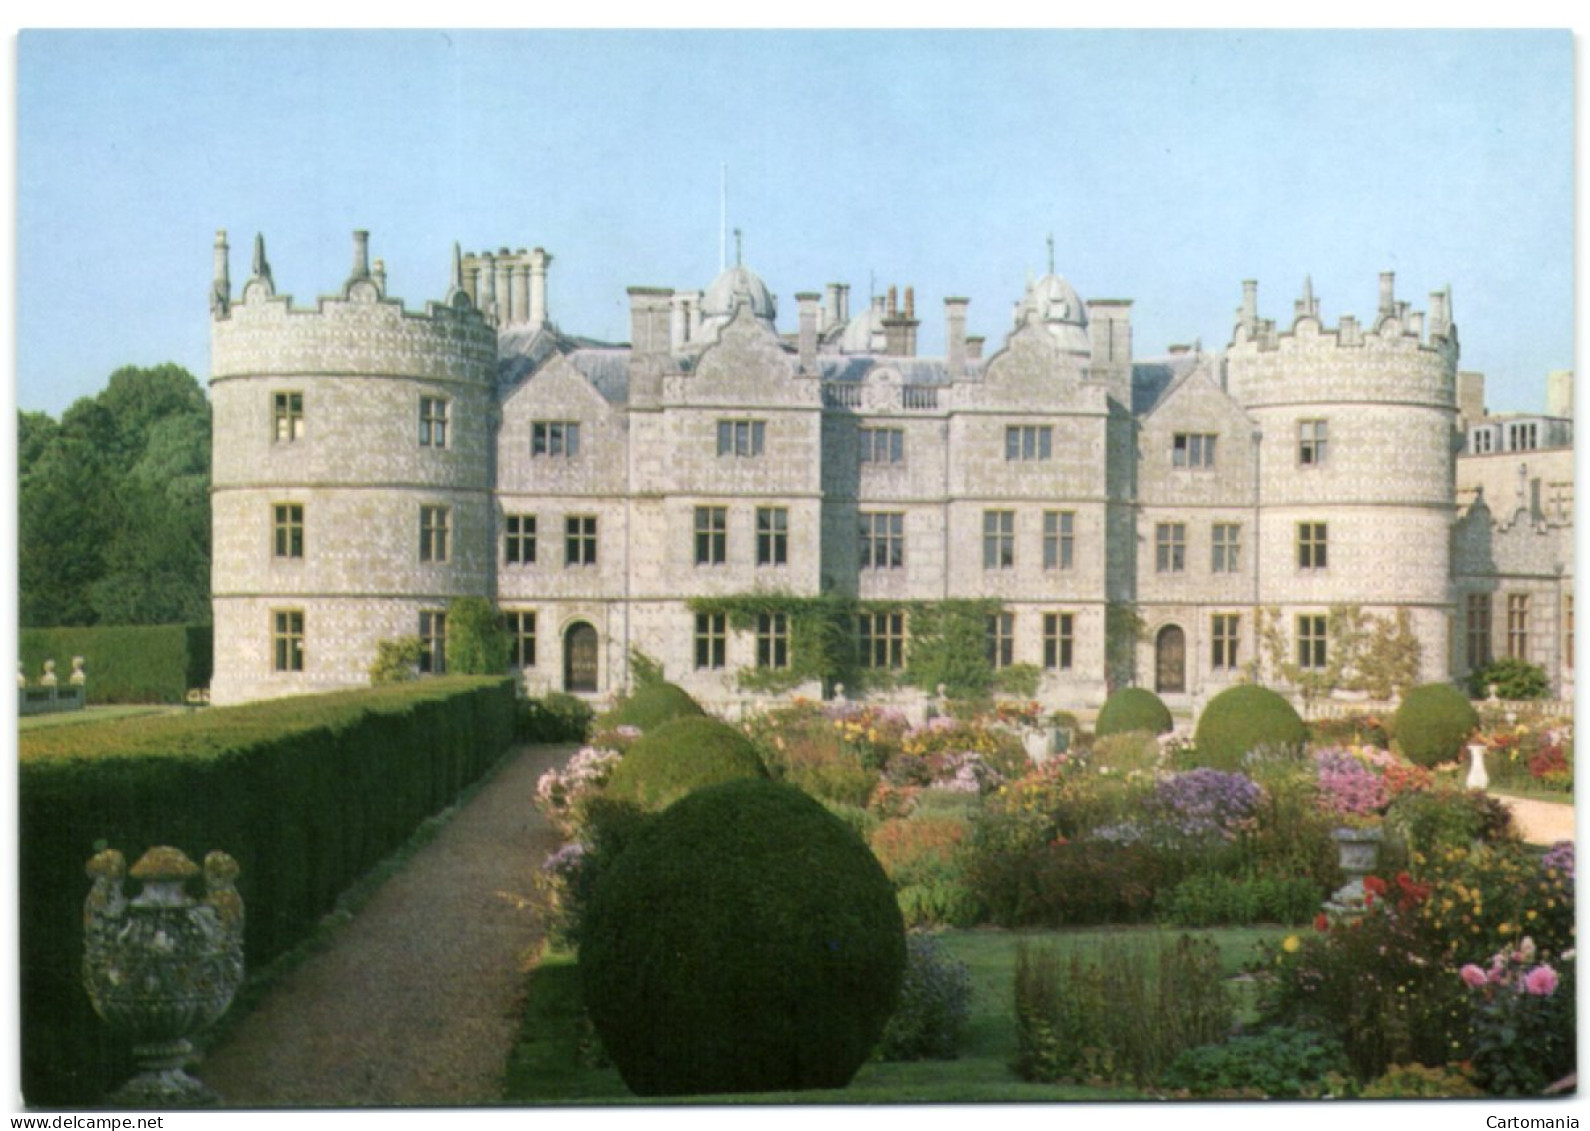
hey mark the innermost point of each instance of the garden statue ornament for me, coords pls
(48, 679)
(161, 967)
(78, 676)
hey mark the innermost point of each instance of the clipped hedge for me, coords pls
(745, 941)
(307, 794)
(685, 754)
(652, 705)
(131, 664)
(1433, 723)
(1241, 718)
(1133, 708)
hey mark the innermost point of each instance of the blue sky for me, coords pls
(1168, 167)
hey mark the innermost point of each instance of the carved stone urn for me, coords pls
(1478, 778)
(1357, 850)
(161, 967)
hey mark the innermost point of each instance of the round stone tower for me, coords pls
(351, 475)
(1355, 476)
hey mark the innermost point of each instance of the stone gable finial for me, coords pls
(262, 267)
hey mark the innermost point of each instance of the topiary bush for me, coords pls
(669, 761)
(1133, 708)
(1242, 718)
(1433, 723)
(651, 705)
(745, 941)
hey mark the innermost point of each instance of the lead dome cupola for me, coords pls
(737, 284)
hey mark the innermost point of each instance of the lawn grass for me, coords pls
(552, 1063)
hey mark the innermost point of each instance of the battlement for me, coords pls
(1395, 325)
(1402, 356)
(356, 332)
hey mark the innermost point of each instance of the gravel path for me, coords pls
(416, 1000)
(1541, 822)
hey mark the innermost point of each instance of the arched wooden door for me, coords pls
(1170, 660)
(579, 657)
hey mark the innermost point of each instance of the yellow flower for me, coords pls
(1291, 944)
(1530, 914)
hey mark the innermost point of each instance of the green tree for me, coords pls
(113, 505)
(476, 642)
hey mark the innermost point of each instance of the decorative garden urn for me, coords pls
(1478, 778)
(1357, 850)
(162, 967)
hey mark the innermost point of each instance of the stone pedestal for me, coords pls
(1357, 851)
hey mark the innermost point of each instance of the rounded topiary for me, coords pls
(1433, 723)
(1241, 718)
(1133, 708)
(650, 706)
(668, 761)
(745, 941)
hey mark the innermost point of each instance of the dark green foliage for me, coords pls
(1214, 900)
(1433, 723)
(1241, 718)
(476, 641)
(949, 647)
(650, 706)
(1280, 1063)
(113, 505)
(1432, 820)
(685, 754)
(397, 660)
(935, 1004)
(557, 717)
(1121, 1013)
(744, 941)
(1514, 678)
(307, 794)
(1133, 708)
(133, 664)
(1070, 884)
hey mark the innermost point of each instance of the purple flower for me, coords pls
(1560, 857)
(1204, 804)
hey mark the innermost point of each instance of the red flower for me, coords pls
(1321, 923)
(1374, 885)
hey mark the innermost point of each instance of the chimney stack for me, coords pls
(955, 337)
(830, 313)
(1388, 300)
(539, 262)
(807, 303)
(648, 319)
(361, 255)
(899, 330)
(519, 289)
(974, 348)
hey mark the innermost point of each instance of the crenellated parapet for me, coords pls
(357, 332)
(1400, 356)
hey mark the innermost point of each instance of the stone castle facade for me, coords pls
(372, 463)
